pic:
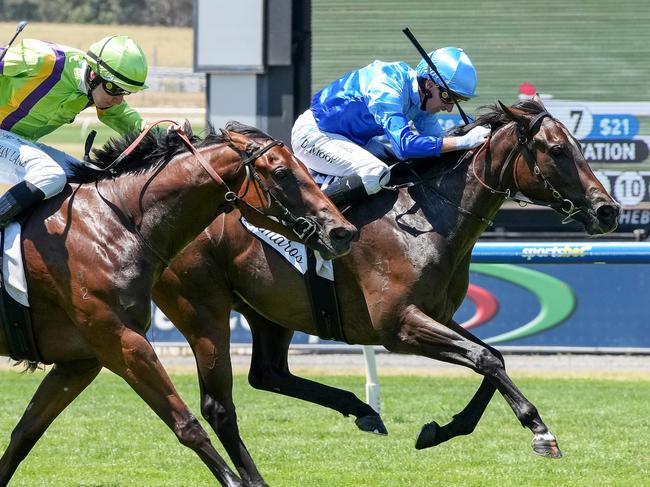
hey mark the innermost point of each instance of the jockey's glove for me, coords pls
(476, 136)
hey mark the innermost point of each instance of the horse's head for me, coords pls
(548, 167)
(278, 185)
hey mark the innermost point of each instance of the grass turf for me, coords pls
(108, 437)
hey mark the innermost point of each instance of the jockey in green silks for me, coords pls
(44, 86)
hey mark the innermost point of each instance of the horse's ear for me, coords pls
(505, 109)
(538, 99)
(225, 135)
(513, 114)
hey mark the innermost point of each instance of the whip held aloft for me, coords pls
(19, 29)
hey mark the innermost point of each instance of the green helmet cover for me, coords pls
(119, 59)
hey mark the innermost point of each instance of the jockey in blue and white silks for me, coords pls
(349, 119)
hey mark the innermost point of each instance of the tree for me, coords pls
(178, 13)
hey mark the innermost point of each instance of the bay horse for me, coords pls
(400, 285)
(93, 253)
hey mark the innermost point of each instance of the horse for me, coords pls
(93, 253)
(400, 285)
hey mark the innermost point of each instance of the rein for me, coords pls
(303, 227)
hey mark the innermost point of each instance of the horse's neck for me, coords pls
(171, 206)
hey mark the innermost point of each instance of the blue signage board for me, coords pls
(613, 126)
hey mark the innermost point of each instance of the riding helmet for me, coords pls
(120, 60)
(455, 67)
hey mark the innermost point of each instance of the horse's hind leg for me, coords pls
(270, 372)
(63, 383)
(422, 335)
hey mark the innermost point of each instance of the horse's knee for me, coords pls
(24, 439)
(487, 362)
(217, 413)
(190, 433)
(498, 355)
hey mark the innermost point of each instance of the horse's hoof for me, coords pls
(545, 444)
(371, 424)
(427, 436)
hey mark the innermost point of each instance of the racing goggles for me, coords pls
(112, 89)
(448, 96)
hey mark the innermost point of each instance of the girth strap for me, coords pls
(324, 302)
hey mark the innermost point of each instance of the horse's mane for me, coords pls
(156, 148)
(495, 117)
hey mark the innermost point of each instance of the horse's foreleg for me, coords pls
(422, 335)
(270, 372)
(199, 306)
(211, 346)
(133, 358)
(62, 384)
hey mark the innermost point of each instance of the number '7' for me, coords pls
(572, 114)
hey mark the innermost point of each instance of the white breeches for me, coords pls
(336, 155)
(39, 164)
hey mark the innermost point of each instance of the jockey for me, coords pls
(42, 87)
(341, 134)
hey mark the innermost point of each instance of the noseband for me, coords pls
(525, 145)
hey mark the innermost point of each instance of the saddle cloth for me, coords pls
(295, 253)
(13, 270)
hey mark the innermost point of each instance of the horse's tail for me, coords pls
(28, 365)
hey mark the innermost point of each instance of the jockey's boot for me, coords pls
(346, 190)
(18, 198)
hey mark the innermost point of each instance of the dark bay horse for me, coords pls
(400, 285)
(93, 253)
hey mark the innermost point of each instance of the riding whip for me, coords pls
(19, 29)
(425, 56)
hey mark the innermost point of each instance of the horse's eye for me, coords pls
(557, 150)
(281, 173)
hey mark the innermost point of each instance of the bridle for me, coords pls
(525, 146)
(304, 227)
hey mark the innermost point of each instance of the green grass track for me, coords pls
(108, 437)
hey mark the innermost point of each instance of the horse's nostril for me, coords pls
(342, 234)
(607, 212)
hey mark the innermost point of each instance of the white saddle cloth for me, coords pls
(293, 252)
(13, 270)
